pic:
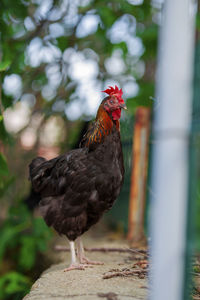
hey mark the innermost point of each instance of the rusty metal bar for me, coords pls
(138, 177)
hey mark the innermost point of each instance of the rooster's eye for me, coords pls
(111, 101)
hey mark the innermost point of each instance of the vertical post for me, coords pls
(138, 176)
(194, 175)
(170, 152)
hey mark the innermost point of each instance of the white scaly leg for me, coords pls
(81, 255)
(74, 264)
(73, 253)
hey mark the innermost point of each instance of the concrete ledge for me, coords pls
(55, 284)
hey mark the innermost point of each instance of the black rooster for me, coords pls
(78, 187)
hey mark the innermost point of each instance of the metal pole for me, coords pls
(170, 150)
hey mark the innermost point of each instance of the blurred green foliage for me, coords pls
(16, 38)
(22, 238)
(194, 207)
(197, 213)
(13, 285)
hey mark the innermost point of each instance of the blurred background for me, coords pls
(56, 58)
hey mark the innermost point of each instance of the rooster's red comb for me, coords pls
(113, 91)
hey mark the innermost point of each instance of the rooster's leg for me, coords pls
(81, 255)
(74, 264)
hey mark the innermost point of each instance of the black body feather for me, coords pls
(78, 187)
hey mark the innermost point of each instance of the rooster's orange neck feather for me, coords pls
(102, 127)
(105, 120)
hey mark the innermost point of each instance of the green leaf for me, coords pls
(107, 15)
(3, 165)
(7, 234)
(4, 65)
(62, 43)
(39, 227)
(27, 253)
(12, 283)
(198, 21)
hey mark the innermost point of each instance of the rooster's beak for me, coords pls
(123, 106)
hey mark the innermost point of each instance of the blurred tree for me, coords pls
(48, 44)
(56, 55)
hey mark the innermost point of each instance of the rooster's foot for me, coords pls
(74, 267)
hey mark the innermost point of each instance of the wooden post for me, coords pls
(139, 176)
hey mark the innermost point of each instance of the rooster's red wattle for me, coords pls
(78, 187)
